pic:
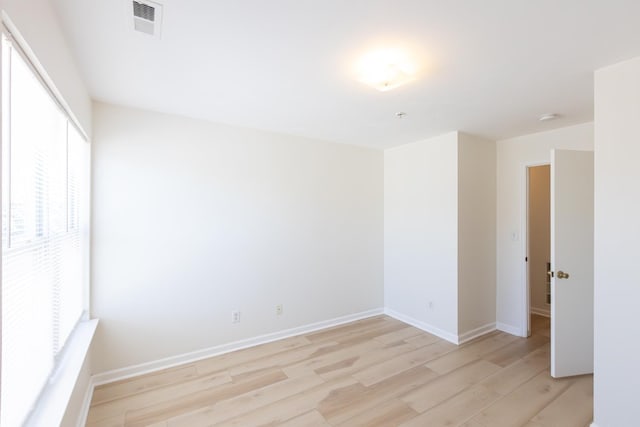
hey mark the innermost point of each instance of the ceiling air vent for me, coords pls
(144, 11)
(146, 16)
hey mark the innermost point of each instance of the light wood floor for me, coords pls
(374, 372)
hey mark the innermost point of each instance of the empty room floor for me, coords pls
(377, 372)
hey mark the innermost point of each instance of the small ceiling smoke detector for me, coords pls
(401, 115)
(548, 116)
(146, 16)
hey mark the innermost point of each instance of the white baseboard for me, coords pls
(475, 333)
(510, 329)
(169, 362)
(86, 404)
(453, 338)
(540, 311)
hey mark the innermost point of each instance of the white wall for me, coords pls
(439, 234)
(617, 233)
(39, 26)
(192, 220)
(476, 234)
(539, 236)
(513, 155)
(421, 231)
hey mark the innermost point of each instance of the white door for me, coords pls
(571, 262)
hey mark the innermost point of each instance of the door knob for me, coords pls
(563, 275)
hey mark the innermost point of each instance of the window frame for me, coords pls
(84, 328)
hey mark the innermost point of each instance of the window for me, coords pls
(44, 233)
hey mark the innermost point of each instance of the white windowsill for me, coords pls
(51, 406)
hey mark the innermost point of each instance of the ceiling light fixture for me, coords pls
(386, 69)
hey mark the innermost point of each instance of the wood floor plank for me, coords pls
(241, 404)
(519, 372)
(296, 355)
(291, 407)
(389, 368)
(447, 386)
(470, 352)
(573, 408)
(155, 412)
(128, 387)
(228, 360)
(399, 335)
(310, 419)
(541, 324)
(522, 404)
(118, 407)
(422, 340)
(359, 336)
(472, 423)
(358, 399)
(516, 350)
(343, 352)
(363, 361)
(359, 327)
(391, 413)
(114, 421)
(456, 410)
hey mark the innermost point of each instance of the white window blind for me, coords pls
(44, 234)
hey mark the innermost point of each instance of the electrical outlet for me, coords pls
(279, 310)
(430, 305)
(235, 317)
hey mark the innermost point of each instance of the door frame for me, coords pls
(524, 227)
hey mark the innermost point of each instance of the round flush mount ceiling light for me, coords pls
(549, 116)
(387, 68)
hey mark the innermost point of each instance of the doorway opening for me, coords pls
(539, 249)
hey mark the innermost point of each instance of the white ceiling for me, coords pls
(493, 67)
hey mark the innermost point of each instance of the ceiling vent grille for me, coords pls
(144, 11)
(146, 16)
